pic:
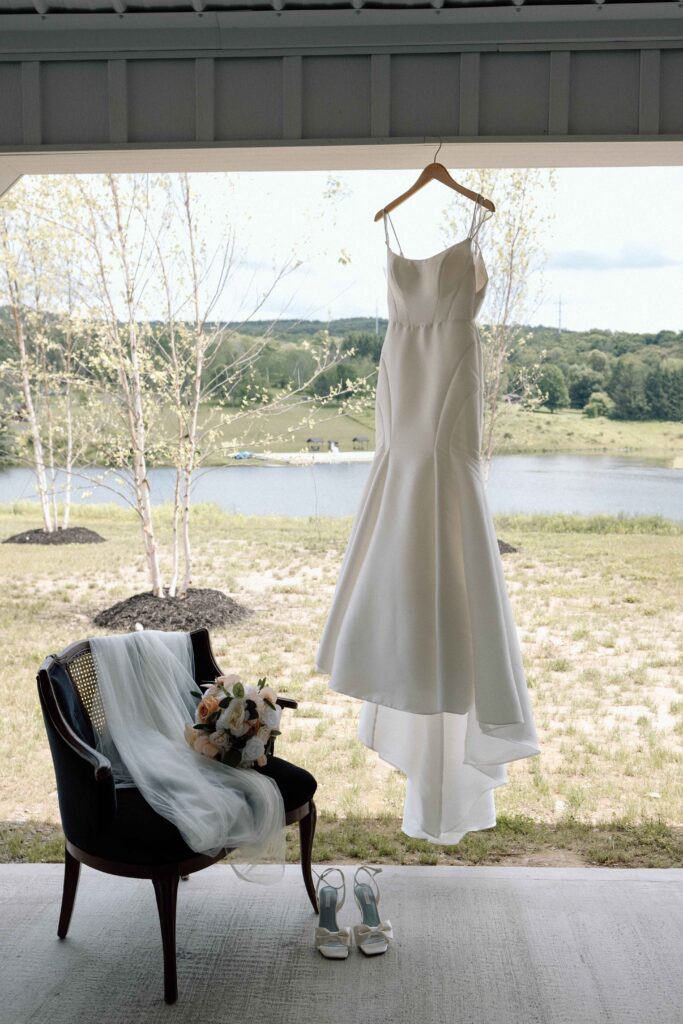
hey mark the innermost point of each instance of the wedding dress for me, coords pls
(420, 627)
(145, 683)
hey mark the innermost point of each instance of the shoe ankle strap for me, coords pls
(322, 879)
(370, 872)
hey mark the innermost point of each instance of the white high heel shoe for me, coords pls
(331, 941)
(372, 935)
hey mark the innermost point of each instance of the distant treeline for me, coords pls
(609, 373)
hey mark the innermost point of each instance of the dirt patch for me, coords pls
(505, 548)
(547, 859)
(206, 608)
(72, 535)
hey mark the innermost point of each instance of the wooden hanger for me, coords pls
(435, 172)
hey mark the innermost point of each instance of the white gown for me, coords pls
(420, 627)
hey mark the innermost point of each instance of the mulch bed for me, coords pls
(72, 535)
(200, 608)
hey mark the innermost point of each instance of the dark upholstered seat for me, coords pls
(138, 835)
(116, 830)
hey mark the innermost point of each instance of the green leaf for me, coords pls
(261, 683)
(238, 690)
(196, 693)
(224, 703)
(269, 703)
(275, 732)
(201, 725)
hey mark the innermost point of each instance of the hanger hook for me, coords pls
(437, 150)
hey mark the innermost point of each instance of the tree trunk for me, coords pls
(187, 547)
(173, 585)
(38, 454)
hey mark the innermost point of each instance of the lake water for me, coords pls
(586, 484)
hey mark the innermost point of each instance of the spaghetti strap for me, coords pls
(479, 215)
(386, 218)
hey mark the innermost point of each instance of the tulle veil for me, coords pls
(145, 681)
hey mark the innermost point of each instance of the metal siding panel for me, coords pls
(671, 106)
(11, 126)
(292, 97)
(469, 93)
(204, 92)
(604, 93)
(425, 94)
(380, 88)
(648, 103)
(161, 105)
(74, 101)
(336, 97)
(558, 96)
(30, 103)
(248, 98)
(117, 100)
(514, 90)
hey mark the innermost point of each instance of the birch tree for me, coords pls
(208, 424)
(151, 282)
(512, 246)
(16, 227)
(120, 222)
(43, 336)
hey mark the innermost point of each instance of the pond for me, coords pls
(585, 484)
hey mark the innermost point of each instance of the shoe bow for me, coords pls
(324, 937)
(363, 932)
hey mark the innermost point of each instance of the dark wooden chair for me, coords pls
(117, 831)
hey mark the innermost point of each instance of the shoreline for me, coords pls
(674, 460)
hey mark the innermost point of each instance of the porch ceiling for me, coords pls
(97, 85)
(43, 7)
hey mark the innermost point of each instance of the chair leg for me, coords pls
(306, 836)
(72, 870)
(166, 892)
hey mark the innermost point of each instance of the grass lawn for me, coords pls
(597, 603)
(519, 430)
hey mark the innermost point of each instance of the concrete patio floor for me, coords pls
(477, 945)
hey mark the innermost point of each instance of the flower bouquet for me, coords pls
(234, 723)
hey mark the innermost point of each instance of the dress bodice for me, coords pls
(430, 374)
(451, 285)
(448, 286)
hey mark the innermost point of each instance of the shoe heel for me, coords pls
(372, 935)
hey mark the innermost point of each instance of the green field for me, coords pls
(518, 430)
(597, 603)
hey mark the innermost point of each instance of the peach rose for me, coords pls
(207, 706)
(204, 746)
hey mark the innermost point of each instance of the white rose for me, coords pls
(232, 717)
(268, 693)
(271, 716)
(253, 750)
(229, 681)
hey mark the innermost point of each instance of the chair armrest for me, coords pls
(100, 765)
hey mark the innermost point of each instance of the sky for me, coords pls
(614, 245)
